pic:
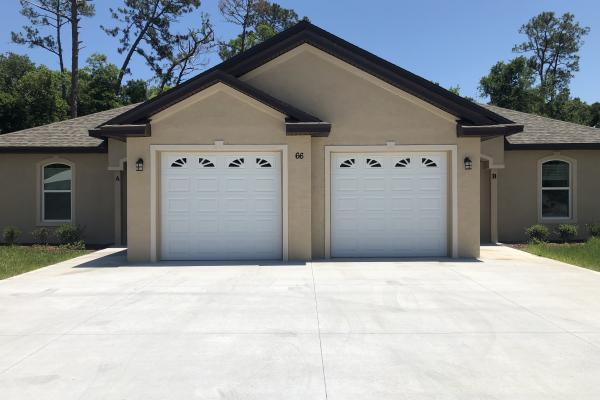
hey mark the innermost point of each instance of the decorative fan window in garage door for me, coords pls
(556, 189)
(349, 163)
(206, 163)
(237, 163)
(57, 193)
(179, 163)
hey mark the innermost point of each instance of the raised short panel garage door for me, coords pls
(218, 206)
(389, 205)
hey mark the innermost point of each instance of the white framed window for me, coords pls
(556, 189)
(56, 192)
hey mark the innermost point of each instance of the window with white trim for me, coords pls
(556, 190)
(56, 192)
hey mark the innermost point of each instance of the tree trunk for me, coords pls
(61, 62)
(74, 58)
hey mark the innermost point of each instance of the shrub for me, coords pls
(566, 232)
(594, 229)
(41, 235)
(537, 233)
(79, 245)
(11, 234)
(68, 234)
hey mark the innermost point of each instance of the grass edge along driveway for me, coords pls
(16, 260)
(586, 255)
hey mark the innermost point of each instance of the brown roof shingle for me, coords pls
(71, 133)
(545, 131)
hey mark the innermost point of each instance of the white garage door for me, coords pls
(389, 205)
(218, 206)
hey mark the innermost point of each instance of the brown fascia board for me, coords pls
(551, 146)
(120, 132)
(102, 148)
(145, 110)
(488, 130)
(315, 129)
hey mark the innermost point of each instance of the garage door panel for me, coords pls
(178, 184)
(178, 205)
(206, 184)
(231, 211)
(397, 208)
(374, 204)
(402, 184)
(374, 184)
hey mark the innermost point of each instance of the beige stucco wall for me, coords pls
(203, 120)
(494, 148)
(485, 203)
(362, 110)
(117, 151)
(93, 198)
(518, 190)
(366, 111)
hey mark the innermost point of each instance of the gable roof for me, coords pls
(542, 132)
(64, 136)
(468, 113)
(305, 32)
(143, 111)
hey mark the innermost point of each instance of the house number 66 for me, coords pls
(299, 156)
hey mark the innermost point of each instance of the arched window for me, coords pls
(57, 192)
(556, 190)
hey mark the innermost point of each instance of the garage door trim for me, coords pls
(218, 146)
(391, 147)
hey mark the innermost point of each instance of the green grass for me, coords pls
(15, 260)
(585, 255)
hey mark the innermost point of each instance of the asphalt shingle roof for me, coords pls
(543, 130)
(68, 133)
(74, 132)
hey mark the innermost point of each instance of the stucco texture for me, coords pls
(366, 111)
(93, 197)
(363, 111)
(518, 191)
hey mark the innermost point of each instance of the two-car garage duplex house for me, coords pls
(303, 147)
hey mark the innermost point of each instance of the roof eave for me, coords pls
(551, 146)
(488, 130)
(102, 148)
(314, 129)
(121, 132)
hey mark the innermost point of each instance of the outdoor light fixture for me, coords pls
(468, 163)
(139, 165)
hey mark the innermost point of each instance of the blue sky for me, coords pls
(450, 42)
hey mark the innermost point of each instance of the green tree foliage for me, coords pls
(134, 91)
(538, 81)
(98, 81)
(30, 95)
(258, 21)
(46, 19)
(552, 45)
(510, 85)
(144, 27)
(50, 16)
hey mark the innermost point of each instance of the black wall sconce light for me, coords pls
(139, 165)
(468, 163)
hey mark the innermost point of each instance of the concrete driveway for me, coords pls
(512, 326)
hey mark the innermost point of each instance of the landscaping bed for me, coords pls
(15, 260)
